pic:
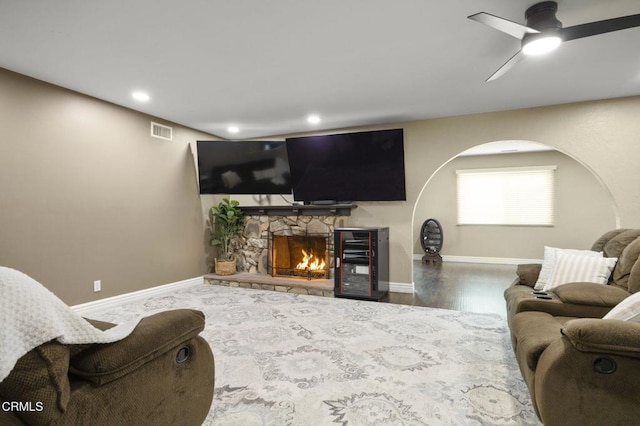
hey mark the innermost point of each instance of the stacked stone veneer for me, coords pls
(288, 285)
(252, 254)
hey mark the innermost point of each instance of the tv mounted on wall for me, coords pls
(362, 166)
(243, 167)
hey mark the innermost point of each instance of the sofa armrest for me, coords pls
(590, 375)
(41, 375)
(154, 336)
(528, 273)
(590, 294)
(604, 336)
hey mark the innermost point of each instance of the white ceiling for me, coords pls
(265, 65)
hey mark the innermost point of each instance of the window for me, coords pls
(506, 196)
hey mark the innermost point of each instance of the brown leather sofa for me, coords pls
(161, 374)
(580, 369)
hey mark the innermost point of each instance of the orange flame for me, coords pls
(308, 264)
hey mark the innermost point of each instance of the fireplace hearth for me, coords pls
(302, 256)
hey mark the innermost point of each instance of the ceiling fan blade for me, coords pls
(512, 28)
(600, 27)
(507, 66)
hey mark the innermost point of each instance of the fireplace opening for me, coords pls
(304, 256)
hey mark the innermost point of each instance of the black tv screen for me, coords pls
(243, 167)
(363, 166)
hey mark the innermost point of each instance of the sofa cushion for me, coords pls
(549, 262)
(627, 310)
(40, 376)
(627, 272)
(590, 294)
(533, 332)
(615, 246)
(605, 238)
(580, 268)
(528, 273)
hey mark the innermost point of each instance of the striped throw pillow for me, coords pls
(570, 268)
(549, 261)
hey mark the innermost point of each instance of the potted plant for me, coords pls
(227, 222)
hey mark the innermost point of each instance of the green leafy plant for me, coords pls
(227, 217)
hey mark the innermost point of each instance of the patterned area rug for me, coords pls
(287, 359)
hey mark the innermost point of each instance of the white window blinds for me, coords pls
(506, 196)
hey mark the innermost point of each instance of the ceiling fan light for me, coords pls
(541, 45)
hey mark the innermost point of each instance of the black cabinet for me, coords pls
(362, 263)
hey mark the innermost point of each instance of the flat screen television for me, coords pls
(362, 166)
(243, 167)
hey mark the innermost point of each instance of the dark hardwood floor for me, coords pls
(472, 287)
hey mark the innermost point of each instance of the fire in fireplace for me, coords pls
(304, 256)
(310, 262)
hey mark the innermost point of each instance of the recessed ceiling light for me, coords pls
(140, 96)
(313, 119)
(233, 129)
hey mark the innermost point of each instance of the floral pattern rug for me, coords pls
(289, 359)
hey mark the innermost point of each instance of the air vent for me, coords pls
(160, 131)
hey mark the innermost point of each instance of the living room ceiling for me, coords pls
(265, 66)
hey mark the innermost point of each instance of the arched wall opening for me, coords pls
(584, 207)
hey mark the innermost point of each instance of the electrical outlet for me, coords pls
(97, 286)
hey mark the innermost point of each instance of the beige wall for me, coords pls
(583, 208)
(86, 194)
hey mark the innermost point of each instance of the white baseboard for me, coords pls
(119, 300)
(480, 259)
(110, 302)
(401, 287)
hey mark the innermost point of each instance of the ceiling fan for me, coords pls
(543, 31)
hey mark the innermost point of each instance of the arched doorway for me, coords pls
(584, 206)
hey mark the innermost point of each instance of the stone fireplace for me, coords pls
(286, 237)
(270, 252)
(307, 227)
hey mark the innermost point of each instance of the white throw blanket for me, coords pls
(31, 315)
